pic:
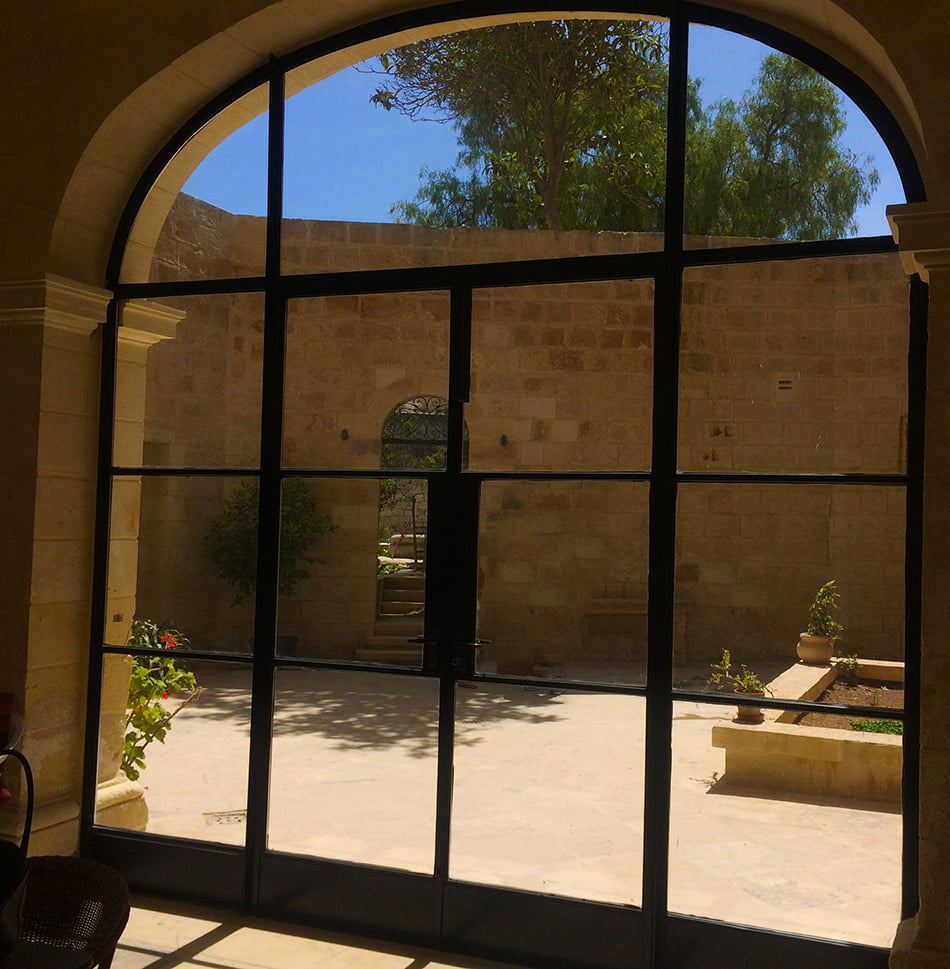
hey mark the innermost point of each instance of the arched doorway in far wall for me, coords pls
(414, 438)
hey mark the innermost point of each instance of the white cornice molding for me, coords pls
(145, 323)
(54, 301)
(66, 304)
(922, 233)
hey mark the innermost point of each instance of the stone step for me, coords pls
(407, 594)
(404, 626)
(389, 608)
(387, 641)
(403, 580)
(390, 649)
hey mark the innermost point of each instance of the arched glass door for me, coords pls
(654, 396)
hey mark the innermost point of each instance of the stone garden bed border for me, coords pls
(782, 756)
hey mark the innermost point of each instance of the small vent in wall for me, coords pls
(786, 387)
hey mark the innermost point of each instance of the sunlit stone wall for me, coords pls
(795, 366)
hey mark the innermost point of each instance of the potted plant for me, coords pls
(849, 667)
(743, 681)
(231, 540)
(154, 678)
(817, 643)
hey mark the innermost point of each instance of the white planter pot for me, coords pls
(815, 650)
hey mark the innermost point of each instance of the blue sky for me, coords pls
(348, 159)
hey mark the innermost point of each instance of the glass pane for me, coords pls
(353, 771)
(352, 569)
(562, 377)
(177, 355)
(785, 827)
(451, 150)
(564, 569)
(548, 791)
(191, 782)
(775, 152)
(183, 550)
(750, 561)
(361, 370)
(796, 366)
(202, 218)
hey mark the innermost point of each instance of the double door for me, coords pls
(486, 793)
(522, 763)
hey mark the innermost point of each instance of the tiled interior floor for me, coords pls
(162, 935)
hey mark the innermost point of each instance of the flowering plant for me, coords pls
(153, 679)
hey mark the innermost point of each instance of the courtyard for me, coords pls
(548, 797)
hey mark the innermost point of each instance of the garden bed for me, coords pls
(783, 755)
(865, 693)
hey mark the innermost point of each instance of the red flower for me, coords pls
(168, 640)
(165, 694)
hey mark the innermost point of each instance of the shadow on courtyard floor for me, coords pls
(370, 710)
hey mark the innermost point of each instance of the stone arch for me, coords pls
(411, 436)
(154, 228)
(112, 160)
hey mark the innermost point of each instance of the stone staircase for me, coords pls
(400, 604)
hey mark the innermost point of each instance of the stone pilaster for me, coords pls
(922, 231)
(49, 426)
(49, 407)
(119, 801)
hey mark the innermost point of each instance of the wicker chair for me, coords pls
(13, 860)
(12, 893)
(66, 913)
(74, 904)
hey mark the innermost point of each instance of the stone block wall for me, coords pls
(795, 366)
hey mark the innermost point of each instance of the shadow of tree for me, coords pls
(360, 710)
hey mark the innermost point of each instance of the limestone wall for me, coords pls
(795, 366)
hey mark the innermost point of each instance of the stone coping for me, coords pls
(781, 755)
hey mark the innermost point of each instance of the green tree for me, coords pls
(772, 165)
(231, 540)
(544, 111)
(561, 125)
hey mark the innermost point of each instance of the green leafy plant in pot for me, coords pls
(817, 643)
(153, 680)
(231, 540)
(742, 681)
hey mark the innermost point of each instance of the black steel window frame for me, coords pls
(666, 268)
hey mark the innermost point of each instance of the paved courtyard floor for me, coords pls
(548, 796)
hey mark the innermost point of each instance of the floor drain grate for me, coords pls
(225, 817)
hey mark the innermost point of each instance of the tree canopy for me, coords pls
(562, 125)
(772, 165)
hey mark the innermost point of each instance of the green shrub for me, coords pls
(153, 679)
(744, 681)
(820, 622)
(231, 540)
(879, 726)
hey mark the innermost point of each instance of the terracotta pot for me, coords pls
(815, 650)
(749, 714)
